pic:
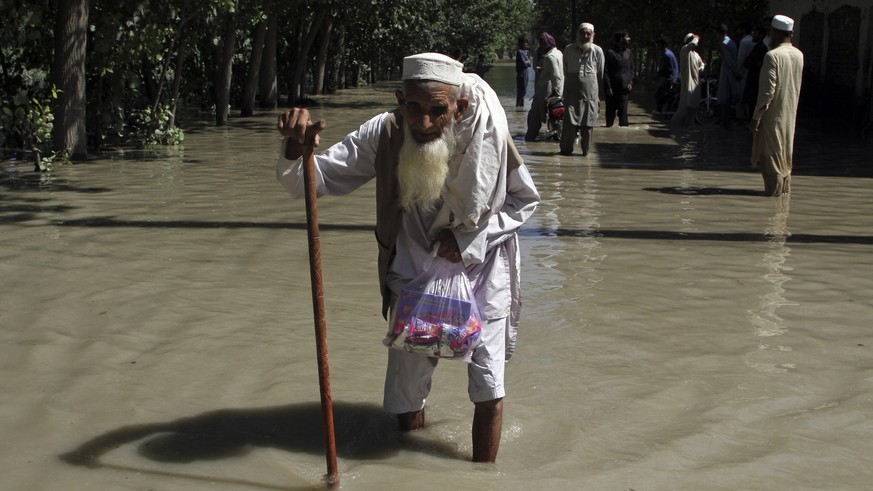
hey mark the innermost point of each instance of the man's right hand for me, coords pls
(296, 125)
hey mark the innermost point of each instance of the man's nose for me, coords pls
(423, 122)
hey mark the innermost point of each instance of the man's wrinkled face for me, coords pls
(428, 108)
(585, 36)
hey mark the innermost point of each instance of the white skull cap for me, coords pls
(783, 23)
(433, 66)
(586, 25)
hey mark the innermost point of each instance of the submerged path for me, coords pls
(680, 331)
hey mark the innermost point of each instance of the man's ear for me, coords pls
(463, 104)
(399, 95)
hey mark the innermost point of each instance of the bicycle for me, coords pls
(708, 111)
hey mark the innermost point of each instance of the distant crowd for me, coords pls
(757, 85)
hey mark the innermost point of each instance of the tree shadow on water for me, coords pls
(362, 431)
(694, 191)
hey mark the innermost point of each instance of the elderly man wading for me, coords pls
(448, 178)
(583, 74)
(776, 110)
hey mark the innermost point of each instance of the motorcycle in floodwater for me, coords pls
(554, 117)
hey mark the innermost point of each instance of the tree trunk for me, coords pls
(178, 37)
(225, 71)
(269, 91)
(151, 89)
(356, 74)
(337, 79)
(247, 105)
(162, 78)
(98, 116)
(295, 92)
(71, 37)
(318, 76)
(177, 80)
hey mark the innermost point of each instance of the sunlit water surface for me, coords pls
(680, 331)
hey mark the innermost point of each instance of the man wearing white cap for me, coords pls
(449, 180)
(776, 110)
(690, 66)
(583, 74)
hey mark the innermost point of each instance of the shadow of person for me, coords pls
(362, 431)
(693, 191)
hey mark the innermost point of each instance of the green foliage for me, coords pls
(28, 120)
(25, 108)
(149, 128)
(398, 28)
(485, 26)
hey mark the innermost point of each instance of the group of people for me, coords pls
(451, 183)
(740, 67)
(578, 74)
(759, 83)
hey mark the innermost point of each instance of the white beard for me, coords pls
(585, 46)
(422, 168)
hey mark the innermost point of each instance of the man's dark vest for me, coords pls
(388, 210)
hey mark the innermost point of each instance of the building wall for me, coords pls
(836, 37)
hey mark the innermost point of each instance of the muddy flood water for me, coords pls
(679, 330)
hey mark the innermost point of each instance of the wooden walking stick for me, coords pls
(318, 303)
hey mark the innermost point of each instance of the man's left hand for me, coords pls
(754, 124)
(448, 246)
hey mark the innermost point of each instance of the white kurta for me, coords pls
(690, 65)
(483, 219)
(778, 96)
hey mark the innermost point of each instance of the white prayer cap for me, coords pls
(586, 25)
(689, 37)
(783, 23)
(433, 66)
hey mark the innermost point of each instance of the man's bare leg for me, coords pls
(771, 183)
(487, 425)
(585, 139)
(411, 421)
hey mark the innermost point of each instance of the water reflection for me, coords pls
(765, 319)
(587, 213)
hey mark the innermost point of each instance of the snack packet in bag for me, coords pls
(437, 314)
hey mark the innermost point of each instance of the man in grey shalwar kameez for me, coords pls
(583, 74)
(776, 110)
(448, 181)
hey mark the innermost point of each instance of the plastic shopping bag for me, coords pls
(436, 314)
